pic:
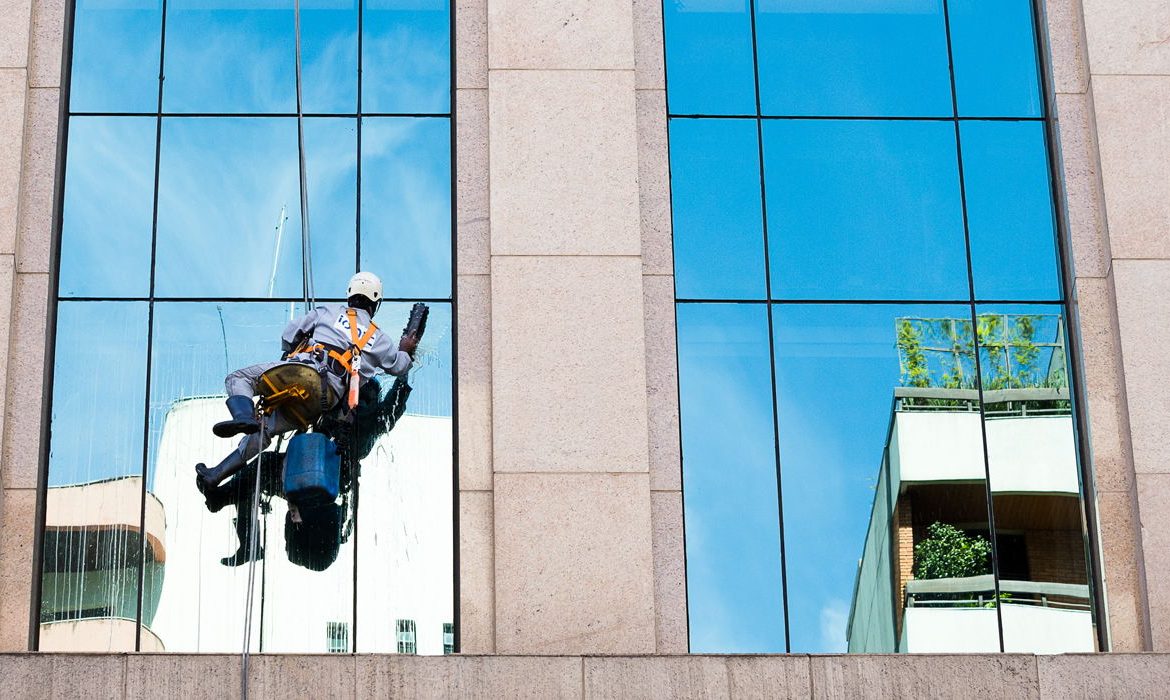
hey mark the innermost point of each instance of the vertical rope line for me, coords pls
(252, 538)
(306, 247)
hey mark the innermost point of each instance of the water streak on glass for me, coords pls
(108, 209)
(734, 592)
(93, 542)
(709, 56)
(718, 227)
(852, 58)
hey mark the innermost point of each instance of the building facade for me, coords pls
(587, 329)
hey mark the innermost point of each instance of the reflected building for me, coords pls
(934, 474)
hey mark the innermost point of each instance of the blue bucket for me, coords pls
(312, 470)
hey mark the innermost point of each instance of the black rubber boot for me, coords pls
(206, 479)
(215, 497)
(243, 418)
(244, 525)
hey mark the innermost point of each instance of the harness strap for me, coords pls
(342, 358)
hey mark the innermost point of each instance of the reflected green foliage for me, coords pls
(948, 552)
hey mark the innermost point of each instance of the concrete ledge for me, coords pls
(31, 675)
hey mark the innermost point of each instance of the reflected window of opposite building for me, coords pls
(181, 259)
(878, 429)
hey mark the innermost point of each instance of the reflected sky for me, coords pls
(836, 370)
(406, 205)
(854, 205)
(709, 61)
(853, 58)
(995, 58)
(406, 57)
(105, 250)
(718, 228)
(99, 381)
(734, 591)
(115, 56)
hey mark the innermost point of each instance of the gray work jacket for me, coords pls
(329, 325)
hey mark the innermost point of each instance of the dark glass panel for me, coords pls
(92, 538)
(995, 58)
(329, 56)
(709, 56)
(1036, 489)
(406, 205)
(853, 58)
(734, 581)
(883, 480)
(108, 209)
(715, 191)
(406, 57)
(229, 213)
(1009, 210)
(237, 56)
(115, 56)
(404, 534)
(864, 210)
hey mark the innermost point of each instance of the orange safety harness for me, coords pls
(351, 359)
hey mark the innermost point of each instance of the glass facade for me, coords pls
(879, 444)
(181, 259)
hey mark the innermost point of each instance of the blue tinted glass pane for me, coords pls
(230, 56)
(864, 210)
(1009, 211)
(853, 58)
(406, 205)
(734, 586)
(109, 203)
(709, 57)
(1035, 480)
(329, 56)
(715, 190)
(865, 472)
(995, 58)
(406, 57)
(229, 212)
(115, 56)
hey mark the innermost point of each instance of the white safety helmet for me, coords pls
(366, 284)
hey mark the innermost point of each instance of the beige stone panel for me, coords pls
(560, 34)
(475, 382)
(1066, 45)
(471, 34)
(1133, 127)
(574, 564)
(307, 675)
(1119, 535)
(1128, 37)
(17, 526)
(48, 29)
(662, 384)
(26, 676)
(649, 56)
(1144, 319)
(1085, 198)
(472, 209)
(182, 676)
(769, 676)
(1154, 506)
(13, 88)
(658, 677)
(1132, 676)
(476, 574)
(1109, 434)
(397, 676)
(564, 163)
(35, 225)
(920, 676)
(22, 410)
(568, 365)
(96, 676)
(14, 27)
(654, 184)
(670, 573)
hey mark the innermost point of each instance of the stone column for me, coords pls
(571, 482)
(1127, 93)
